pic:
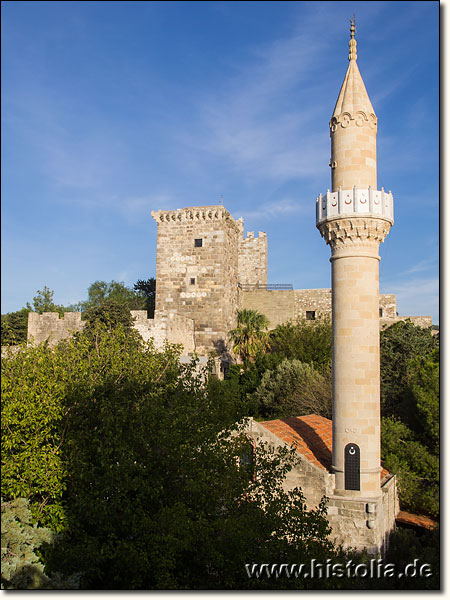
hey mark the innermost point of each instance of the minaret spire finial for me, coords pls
(352, 44)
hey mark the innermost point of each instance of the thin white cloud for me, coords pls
(135, 208)
(416, 296)
(423, 265)
(266, 122)
(278, 209)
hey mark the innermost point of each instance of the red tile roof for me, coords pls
(312, 437)
(416, 520)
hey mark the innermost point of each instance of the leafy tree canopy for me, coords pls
(400, 344)
(101, 291)
(306, 341)
(425, 388)
(43, 302)
(22, 568)
(134, 457)
(110, 313)
(294, 389)
(417, 468)
(147, 287)
(14, 327)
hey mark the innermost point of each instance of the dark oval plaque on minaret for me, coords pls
(351, 469)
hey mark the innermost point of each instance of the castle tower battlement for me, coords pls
(252, 259)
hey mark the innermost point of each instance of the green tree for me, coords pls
(101, 291)
(22, 568)
(14, 327)
(306, 341)
(417, 468)
(424, 383)
(400, 344)
(147, 287)
(250, 336)
(43, 302)
(111, 314)
(294, 389)
(135, 456)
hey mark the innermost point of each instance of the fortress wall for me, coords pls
(276, 305)
(50, 326)
(281, 306)
(388, 306)
(420, 321)
(317, 301)
(252, 259)
(176, 329)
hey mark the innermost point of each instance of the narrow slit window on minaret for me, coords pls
(310, 315)
(381, 312)
(198, 243)
(192, 280)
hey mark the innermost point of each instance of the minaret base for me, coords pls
(364, 523)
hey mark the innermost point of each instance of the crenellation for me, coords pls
(50, 326)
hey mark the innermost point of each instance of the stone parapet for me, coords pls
(195, 214)
(419, 321)
(50, 326)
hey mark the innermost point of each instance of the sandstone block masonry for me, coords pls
(197, 270)
(202, 257)
(50, 326)
(281, 306)
(252, 257)
(168, 326)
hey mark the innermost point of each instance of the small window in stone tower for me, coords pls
(381, 312)
(310, 315)
(192, 280)
(198, 243)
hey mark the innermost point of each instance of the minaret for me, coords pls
(353, 219)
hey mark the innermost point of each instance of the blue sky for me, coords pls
(113, 109)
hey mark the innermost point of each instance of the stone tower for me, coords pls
(353, 219)
(197, 271)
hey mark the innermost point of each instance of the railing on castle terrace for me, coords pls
(246, 287)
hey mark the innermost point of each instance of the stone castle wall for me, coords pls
(166, 326)
(50, 326)
(174, 328)
(281, 306)
(197, 270)
(421, 321)
(317, 301)
(276, 305)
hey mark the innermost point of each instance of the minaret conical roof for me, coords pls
(353, 96)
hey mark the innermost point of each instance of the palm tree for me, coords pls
(250, 336)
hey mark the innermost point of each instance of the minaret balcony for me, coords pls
(355, 202)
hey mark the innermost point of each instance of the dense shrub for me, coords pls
(294, 389)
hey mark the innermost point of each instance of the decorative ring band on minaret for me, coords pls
(364, 202)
